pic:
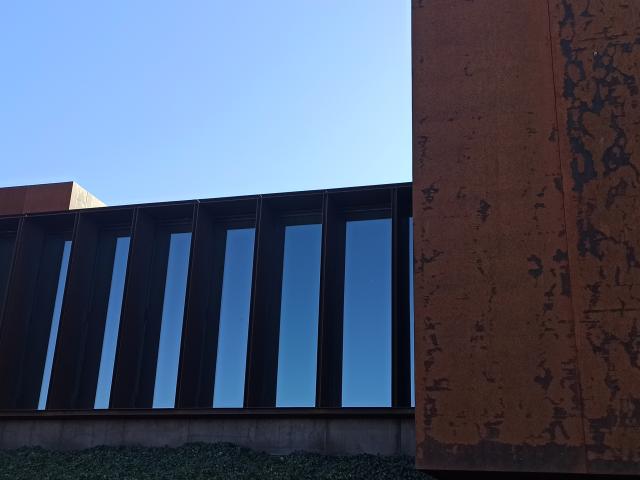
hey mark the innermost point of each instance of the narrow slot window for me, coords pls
(164, 393)
(55, 321)
(297, 354)
(112, 323)
(234, 319)
(366, 377)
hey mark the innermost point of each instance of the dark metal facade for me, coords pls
(526, 133)
(27, 288)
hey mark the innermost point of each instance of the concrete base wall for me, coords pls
(281, 434)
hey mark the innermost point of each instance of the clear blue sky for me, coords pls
(162, 100)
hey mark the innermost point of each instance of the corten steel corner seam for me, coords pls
(569, 250)
(597, 87)
(494, 355)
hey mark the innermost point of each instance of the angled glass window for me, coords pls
(55, 321)
(297, 353)
(234, 319)
(164, 393)
(411, 333)
(366, 375)
(112, 323)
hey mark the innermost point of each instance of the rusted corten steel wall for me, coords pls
(597, 69)
(525, 124)
(48, 197)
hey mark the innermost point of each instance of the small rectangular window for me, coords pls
(55, 321)
(297, 353)
(112, 323)
(164, 393)
(366, 377)
(234, 319)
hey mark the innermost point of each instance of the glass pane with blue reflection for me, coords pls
(55, 321)
(366, 375)
(234, 319)
(164, 393)
(297, 353)
(112, 323)
(413, 393)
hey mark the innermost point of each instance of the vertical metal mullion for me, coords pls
(10, 317)
(141, 319)
(154, 302)
(18, 307)
(38, 318)
(116, 396)
(330, 322)
(12, 262)
(400, 318)
(202, 313)
(66, 367)
(264, 321)
(187, 382)
(94, 325)
(125, 388)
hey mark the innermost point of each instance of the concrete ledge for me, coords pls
(275, 431)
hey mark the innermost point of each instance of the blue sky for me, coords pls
(141, 100)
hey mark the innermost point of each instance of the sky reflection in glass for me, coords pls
(55, 321)
(297, 354)
(234, 319)
(112, 323)
(366, 375)
(164, 393)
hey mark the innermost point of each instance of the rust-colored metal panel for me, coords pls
(35, 198)
(597, 58)
(497, 386)
(48, 197)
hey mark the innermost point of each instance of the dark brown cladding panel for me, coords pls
(526, 128)
(35, 198)
(597, 65)
(497, 385)
(49, 197)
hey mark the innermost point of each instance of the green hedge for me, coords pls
(196, 461)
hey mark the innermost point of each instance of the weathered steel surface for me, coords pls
(527, 211)
(497, 386)
(597, 59)
(49, 197)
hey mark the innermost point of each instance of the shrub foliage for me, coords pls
(196, 461)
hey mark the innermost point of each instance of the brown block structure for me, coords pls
(49, 197)
(527, 241)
